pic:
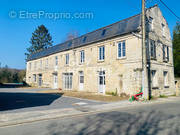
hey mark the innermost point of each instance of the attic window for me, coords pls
(69, 44)
(103, 32)
(84, 39)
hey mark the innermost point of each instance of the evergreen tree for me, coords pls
(41, 39)
(176, 49)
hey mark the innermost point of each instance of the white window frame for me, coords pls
(165, 53)
(154, 79)
(153, 49)
(81, 77)
(123, 48)
(101, 53)
(67, 81)
(82, 56)
(67, 59)
(56, 60)
(166, 79)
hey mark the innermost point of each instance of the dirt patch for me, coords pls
(87, 95)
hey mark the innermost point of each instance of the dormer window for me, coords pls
(84, 39)
(103, 32)
(69, 44)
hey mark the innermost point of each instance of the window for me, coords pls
(67, 81)
(101, 53)
(81, 77)
(103, 32)
(29, 66)
(69, 44)
(165, 53)
(154, 79)
(121, 49)
(153, 49)
(34, 77)
(40, 64)
(35, 65)
(102, 78)
(163, 29)
(150, 23)
(46, 66)
(82, 56)
(67, 59)
(84, 39)
(56, 60)
(166, 82)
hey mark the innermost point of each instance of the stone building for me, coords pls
(108, 59)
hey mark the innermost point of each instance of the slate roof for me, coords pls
(125, 26)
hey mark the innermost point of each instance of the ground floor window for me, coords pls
(34, 77)
(154, 79)
(40, 80)
(81, 80)
(67, 80)
(166, 82)
(81, 77)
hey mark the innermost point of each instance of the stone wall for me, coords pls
(122, 75)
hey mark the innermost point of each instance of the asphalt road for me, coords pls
(25, 100)
(155, 119)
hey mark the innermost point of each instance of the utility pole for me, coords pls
(144, 57)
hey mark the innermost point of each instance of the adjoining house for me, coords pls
(108, 59)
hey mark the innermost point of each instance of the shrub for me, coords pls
(113, 93)
(163, 96)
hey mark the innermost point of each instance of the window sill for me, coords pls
(121, 58)
(166, 61)
(81, 63)
(155, 87)
(153, 58)
(166, 86)
(100, 61)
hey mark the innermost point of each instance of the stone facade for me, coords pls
(113, 73)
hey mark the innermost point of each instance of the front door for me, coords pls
(81, 80)
(40, 80)
(55, 81)
(101, 82)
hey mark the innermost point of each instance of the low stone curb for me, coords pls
(33, 116)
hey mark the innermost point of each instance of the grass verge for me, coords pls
(87, 95)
